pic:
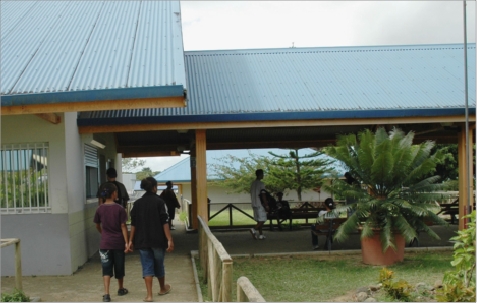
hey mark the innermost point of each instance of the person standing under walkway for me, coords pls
(123, 197)
(259, 211)
(110, 219)
(169, 196)
(151, 235)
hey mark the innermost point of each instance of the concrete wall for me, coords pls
(60, 242)
(219, 195)
(44, 244)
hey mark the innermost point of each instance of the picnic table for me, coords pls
(304, 211)
(451, 209)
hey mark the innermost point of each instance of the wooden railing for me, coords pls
(216, 264)
(246, 292)
(18, 260)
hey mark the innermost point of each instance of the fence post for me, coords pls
(246, 292)
(18, 266)
(18, 259)
(227, 280)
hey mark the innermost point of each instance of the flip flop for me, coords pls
(146, 300)
(166, 292)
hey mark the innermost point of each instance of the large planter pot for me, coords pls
(373, 253)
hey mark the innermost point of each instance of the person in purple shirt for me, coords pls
(110, 219)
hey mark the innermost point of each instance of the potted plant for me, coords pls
(392, 193)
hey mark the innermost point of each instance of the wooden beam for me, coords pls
(251, 124)
(269, 144)
(193, 189)
(94, 106)
(50, 117)
(201, 174)
(135, 154)
(465, 173)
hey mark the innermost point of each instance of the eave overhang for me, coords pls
(124, 124)
(94, 100)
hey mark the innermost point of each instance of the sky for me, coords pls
(216, 25)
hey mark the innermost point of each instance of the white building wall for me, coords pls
(70, 225)
(219, 195)
(40, 234)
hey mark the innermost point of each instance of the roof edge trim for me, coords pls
(94, 95)
(283, 116)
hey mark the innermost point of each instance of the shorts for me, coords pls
(259, 214)
(152, 261)
(113, 259)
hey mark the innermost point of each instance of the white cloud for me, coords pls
(209, 25)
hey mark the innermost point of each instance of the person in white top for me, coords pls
(259, 210)
(329, 205)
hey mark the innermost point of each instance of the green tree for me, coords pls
(145, 172)
(282, 172)
(297, 172)
(130, 164)
(237, 179)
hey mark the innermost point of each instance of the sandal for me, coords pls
(106, 298)
(147, 300)
(167, 291)
(122, 292)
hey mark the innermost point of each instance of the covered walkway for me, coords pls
(86, 284)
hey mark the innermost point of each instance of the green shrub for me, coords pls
(15, 296)
(400, 290)
(459, 285)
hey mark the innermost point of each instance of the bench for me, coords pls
(305, 211)
(328, 228)
(451, 209)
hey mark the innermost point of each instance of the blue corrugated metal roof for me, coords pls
(61, 47)
(314, 83)
(180, 172)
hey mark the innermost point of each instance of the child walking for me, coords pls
(110, 219)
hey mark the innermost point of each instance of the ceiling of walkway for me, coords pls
(172, 142)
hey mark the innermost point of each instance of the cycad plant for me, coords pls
(393, 195)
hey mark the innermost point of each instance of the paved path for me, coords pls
(86, 284)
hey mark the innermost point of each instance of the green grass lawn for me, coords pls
(318, 278)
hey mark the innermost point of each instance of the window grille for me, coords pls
(91, 166)
(24, 178)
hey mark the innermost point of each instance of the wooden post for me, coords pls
(193, 187)
(201, 173)
(464, 174)
(211, 281)
(18, 266)
(227, 280)
(246, 292)
(18, 259)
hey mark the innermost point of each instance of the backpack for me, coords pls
(272, 203)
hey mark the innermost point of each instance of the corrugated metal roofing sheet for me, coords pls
(321, 79)
(65, 46)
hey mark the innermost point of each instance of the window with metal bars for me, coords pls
(24, 178)
(92, 171)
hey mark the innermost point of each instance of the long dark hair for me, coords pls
(107, 190)
(148, 184)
